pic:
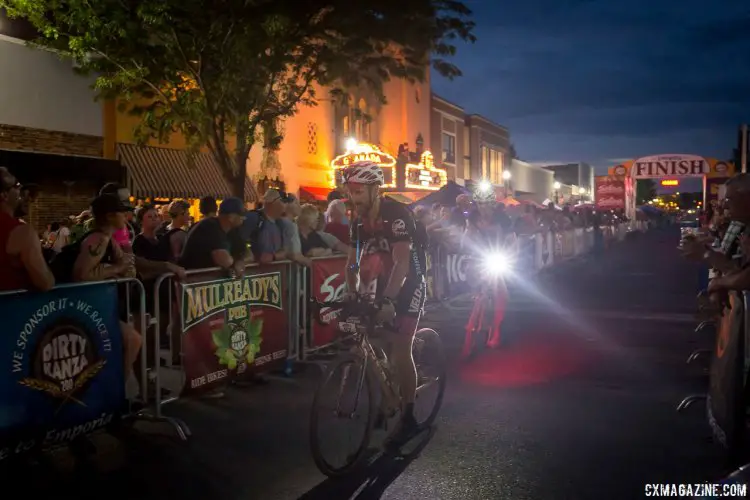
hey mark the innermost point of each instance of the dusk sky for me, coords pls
(602, 81)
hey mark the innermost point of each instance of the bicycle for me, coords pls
(369, 364)
(486, 269)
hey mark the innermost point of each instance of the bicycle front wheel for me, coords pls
(429, 358)
(346, 395)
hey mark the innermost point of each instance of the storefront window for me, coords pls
(449, 148)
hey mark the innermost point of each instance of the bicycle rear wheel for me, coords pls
(352, 387)
(429, 358)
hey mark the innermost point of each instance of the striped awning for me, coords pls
(155, 172)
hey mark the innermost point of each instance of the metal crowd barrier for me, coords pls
(64, 352)
(225, 326)
(221, 329)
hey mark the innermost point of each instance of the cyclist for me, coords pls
(489, 230)
(385, 249)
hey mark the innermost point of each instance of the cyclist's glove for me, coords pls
(386, 311)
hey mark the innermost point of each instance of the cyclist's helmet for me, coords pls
(363, 172)
(485, 195)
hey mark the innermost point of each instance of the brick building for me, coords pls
(51, 129)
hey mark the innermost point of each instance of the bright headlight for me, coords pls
(497, 264)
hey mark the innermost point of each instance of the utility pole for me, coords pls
(743, 148)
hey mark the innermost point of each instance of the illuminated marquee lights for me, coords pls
(670, 182)
(425, 175)
(367, 152)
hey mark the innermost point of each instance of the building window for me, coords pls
(484, 154)
(491, 164)
(449, 148)
(312, 138)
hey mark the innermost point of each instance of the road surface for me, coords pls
(580, 405)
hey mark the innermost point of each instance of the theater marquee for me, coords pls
(366, 152)
(425, 175)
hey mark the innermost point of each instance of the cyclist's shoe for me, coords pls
(494, 341)
(407, 429)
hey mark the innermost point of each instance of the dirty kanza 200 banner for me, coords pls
(233, 327)
(61, 353)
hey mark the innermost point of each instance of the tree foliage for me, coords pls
(215, 71)
(512, 152)
(645, 190)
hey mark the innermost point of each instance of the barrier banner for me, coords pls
(62, 352)
(328, 284)
(456, 276)
(726, 409)
(526, 261)
(234, 327)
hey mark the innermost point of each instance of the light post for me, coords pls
(506, 181)
(582, 193)
(556, 186)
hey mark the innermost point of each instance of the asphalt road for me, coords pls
(579, 405)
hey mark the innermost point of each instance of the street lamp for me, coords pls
(351, 144)
(582, 191)
(506, 181)
(556, 186)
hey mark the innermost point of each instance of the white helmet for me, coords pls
(485, 195)
(363, 172)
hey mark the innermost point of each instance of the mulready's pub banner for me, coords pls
(234, 326)
(61, 352)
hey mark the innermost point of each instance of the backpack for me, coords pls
(62, 263)
(250, 235)
(165, 246)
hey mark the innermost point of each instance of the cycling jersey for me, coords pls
(374, 242)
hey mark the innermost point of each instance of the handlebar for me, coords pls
(361, 308)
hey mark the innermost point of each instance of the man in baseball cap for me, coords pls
(210, 244)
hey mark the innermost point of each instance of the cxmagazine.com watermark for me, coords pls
(700, 490)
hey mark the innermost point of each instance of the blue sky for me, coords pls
(602, 81)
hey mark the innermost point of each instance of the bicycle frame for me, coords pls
(360, 323)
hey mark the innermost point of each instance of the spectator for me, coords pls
(210, 244)
(262, 230)
(123, 236)
(461, 211)
(146, 246)
(62, 236)
(175, 235)
(29, 193)
(334, 195)
(335, 225)
(290, 232)
(208, 206)
(22, 264)
(100, 257)
(316, 243)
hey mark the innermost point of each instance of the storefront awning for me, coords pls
(309, 193)
(43, 168)
(169, 173)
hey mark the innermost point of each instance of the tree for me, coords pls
(512, 152)
(224, 74)
(645, 191)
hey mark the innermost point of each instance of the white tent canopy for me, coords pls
(547, 201)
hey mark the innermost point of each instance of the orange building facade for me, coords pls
(317, 136)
